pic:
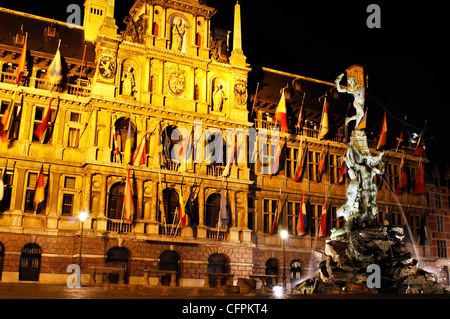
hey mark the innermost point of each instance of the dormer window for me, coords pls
(51, 30)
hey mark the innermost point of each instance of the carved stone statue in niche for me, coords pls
(218, 97)
(178, 34)
(128, 82)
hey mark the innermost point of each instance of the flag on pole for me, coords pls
(324, 127)
(302, 218)
(342, 171)
(116, 144)
(420, 183)
(40, 130)
(22, 62)
(127, 153)
(54, 71)
(255, 99)
(140, 154)
(420, 146)
(39, 192)
(182, 209)
(300, 160)
(227, 169)
(7, 118)
(128, 199)
(383, 134)
(186, 152)
(399, 141)
(276, 215)
(321, 165)
(323, 221)
(300, 115)
(275, 162)
(280, 113)
(224, 216)
(403, 178)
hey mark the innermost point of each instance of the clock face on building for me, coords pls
(107, 65)
(177, 82)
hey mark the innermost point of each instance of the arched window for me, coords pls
(30, 262)
(115, 203)
(171, 205)
(121, 132)
(169, 260)
(272, 269)
(155, 29)
(212, 210)
(217, 264)
(117, 257)
(296, 272)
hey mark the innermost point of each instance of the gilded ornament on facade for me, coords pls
(240, 93)
(177, 82)
(107, 65)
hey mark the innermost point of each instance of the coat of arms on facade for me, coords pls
(107, 65)
(240, 93)
(177, 82)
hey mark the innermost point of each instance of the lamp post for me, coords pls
(284, 235)
(82, 217)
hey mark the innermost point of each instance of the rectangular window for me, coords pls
(291, 161)
(437, 200)
(75, 117)
(29, 193)
(38, 118)
(13, 132)
(336, 222)
(7, 177)
(292, 214)
(69, 182)
(313, 163)
(315, 213)
(74, 137)
(270, 207)
(440, 223)
(67, 204)
(334, 168)
(442, 248)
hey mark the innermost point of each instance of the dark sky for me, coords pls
(406, 59)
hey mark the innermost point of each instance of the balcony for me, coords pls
(79, 87)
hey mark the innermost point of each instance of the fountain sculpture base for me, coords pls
(345, 261)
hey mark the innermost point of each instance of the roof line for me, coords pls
(28, 15)
(299, 76)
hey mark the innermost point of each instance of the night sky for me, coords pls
(406, 59)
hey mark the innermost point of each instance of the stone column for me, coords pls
(201, 228)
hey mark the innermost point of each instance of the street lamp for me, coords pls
(284, 235)
(82, 217)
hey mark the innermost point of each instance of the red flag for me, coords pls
(403, 178)
(301, 218)
(22, 62)
(420, 183)
(39, 192)
(280, 113)
(128, 199)
(140, 154)
(383, 134)
(40, 130)
(323, 221)
(226, 171)
(324, 127)
(342, 172)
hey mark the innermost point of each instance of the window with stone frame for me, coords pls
(13, 133)
(39, 115)
(30, 188)
(7, 178)
(270, 208)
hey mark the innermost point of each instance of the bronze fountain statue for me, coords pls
(362, 241)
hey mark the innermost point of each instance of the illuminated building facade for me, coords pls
(168, 72)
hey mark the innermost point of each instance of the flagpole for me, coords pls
(254, 101)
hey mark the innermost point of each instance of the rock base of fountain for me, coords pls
(347, 266)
